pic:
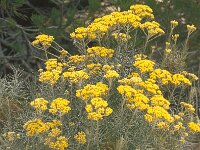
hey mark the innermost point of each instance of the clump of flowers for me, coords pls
(39, 104)
(116, 77)
(91, 91)
(59, 106)
(100, 51)
(81, 137)
(98, 109)
(35, 127)
(52, 73)
(44, 40)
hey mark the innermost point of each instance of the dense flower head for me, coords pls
(126, 91)
(81, 137)
(111, 74)
(139, 101)
(158, 112)
(100, 51)
(179, 79)
(80, 33)
(159, 100)
(35, 127)
(188, 107)
(76, 59)
(54, 124)
(44, 40)
(49, 77)
(39, 104)
(144, 65)
(93, 68)
(97, 109)
(151, 87)
(59, 106)
(54, 132)
(174, 23)
(194, 127)
(75, 76)
(142, 11)
(164, 76)
(191, 28)
(152, 28)
(59, 143)
(91, 91)
(52, 73)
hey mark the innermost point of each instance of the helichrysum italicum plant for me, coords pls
(116, 96)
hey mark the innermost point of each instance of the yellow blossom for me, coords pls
(59, 106)
(81, 137)
(39, 104)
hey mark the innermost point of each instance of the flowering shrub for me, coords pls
(118, 95)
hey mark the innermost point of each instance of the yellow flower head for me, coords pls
(59, 106)
(35, 127)
(39, 104)
(44, 40)
(81, 137)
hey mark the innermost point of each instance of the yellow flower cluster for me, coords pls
(35, 127)
(76, 59)
(91, 91)
(188, 107)
(100, 51)
(142, 11)
(54, 124)
(164, 76)
(152, 28)
(178, 79)
(159, 113)
(44, 40)
(39, 104)
(139, 101)
(110, 74)
(93, 68)
(173, 23)
(150, 86)
(191, 28)
(126, 91)
(63, 53)
(194, 127)
(54, 132)
(81, 137)
(159, 100)
(132, 18)
(122, 37)
(59, 106)
(98, 109)
(52, 73)
(144, 65)
(60, 143)
(75, 76)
